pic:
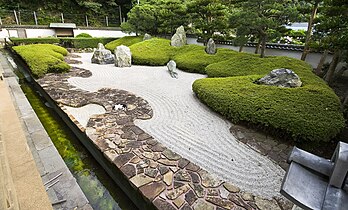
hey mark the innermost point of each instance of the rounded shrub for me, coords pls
(43, 58)
(152, 52)
(83, 35)
(126, 41)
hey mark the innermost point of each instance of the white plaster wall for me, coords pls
(40, 33)
(100, 33)
(13, 33)
(4, 34)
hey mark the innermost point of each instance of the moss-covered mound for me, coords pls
(242, 64)
(193, 58)
(152, 52)
(311, 112)
(127, 41)
(43, 58)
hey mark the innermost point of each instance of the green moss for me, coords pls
(126, 41)
(193, 58)
(84, 42)
(152, 52)
(247, 64)
(311, 112)
(43, 58)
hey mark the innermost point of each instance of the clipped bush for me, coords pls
(43, 58)
(242, 64)
(126, 41)
(193, 58)
(152, 52)
(84, 42)
(308, 113)
(83, 35)
(24, 41)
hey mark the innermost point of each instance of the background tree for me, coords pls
(333, 27)
(208, 16)
(266, 17)
(314, 4)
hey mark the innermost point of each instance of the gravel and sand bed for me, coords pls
(185, 125)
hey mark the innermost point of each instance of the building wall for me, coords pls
(40, 33)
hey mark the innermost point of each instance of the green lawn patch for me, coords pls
(193, 58)
(152, 52)
(43, 58)
(126, 41)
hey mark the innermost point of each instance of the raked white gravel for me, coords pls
(185, 125)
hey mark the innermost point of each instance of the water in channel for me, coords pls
(97, 185)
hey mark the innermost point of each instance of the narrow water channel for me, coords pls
(98, 186)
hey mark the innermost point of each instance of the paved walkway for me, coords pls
(22, 186)
(41, 162)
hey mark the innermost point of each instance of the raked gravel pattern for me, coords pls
(185, 125)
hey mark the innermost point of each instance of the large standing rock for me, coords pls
(211, 47)
(179, 38)
(102, 56)
(123, 56)
(281, 78)
(147, 37)
(171, 65)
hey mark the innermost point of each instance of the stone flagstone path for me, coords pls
(165, 178)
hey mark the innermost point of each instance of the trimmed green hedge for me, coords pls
(85, 42)
(309, 113)
(82, 42)
(24, 41)
(43, 58)
(126, 41)
(152, 52)
(193, 58)
(83, 35)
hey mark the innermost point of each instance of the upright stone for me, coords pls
(281, 78)
(102, 55)
(147, 37)
(179, 38)
(211, 47)
(123, 56)
(171, 65)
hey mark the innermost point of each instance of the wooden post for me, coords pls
(107, 21)
(86, 21)
(15, 14)
(119, 9)
(62, 17)
(35, 19)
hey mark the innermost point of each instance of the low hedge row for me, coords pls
(311, 112)
(82, 42)
(24, 41)
(43, 58)
(126, 41)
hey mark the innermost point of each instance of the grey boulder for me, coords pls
(102, 55)
(147, 37)
(211, 47)
(123, 56)
(281, 78)
(179, 38)
(171, 65)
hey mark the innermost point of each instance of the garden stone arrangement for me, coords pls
(102, 56)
